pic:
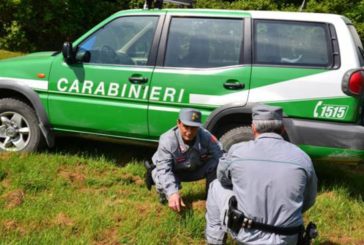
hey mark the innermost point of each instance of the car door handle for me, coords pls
(138, 80)
(234, 85)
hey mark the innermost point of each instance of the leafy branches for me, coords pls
(28, 25)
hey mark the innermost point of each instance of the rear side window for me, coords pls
(204, 42)
(291, 43)
(358, 44)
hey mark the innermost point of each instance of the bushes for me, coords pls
(353, 9)
(29, 25)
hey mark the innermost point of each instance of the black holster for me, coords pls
(309, 233)
(235, 216)
(237, 220)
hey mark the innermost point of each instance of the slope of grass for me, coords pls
(7, 54)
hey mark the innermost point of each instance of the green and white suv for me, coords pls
(128, 77)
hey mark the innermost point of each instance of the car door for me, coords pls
(108, 93)
(201, 64)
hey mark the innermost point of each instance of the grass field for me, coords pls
(84, 192)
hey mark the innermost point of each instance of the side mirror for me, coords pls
(68, 54)
(83, 56)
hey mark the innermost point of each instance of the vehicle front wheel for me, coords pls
(19, 130)
(236, 135)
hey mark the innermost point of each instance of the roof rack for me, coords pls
(159, 3)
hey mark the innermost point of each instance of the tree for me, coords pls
(45, 25)
(28, 25)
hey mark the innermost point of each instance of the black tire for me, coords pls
(236, 135)
(19, 130)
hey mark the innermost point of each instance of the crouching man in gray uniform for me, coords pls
(263, 186)
(186, 152)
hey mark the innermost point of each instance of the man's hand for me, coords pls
(175, 202)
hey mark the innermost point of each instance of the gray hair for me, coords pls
(268, 126)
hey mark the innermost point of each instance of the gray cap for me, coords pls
(190, 117)
(267, 112)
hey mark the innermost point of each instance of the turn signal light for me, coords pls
(41, 75)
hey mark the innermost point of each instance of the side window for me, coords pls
(358, 44)
(204, 43)
(124, 41)
(291, 43)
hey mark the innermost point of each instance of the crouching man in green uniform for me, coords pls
(186, 152)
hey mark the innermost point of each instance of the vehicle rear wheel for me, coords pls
(19, 130)
(236, 135)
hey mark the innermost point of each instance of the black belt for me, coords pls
(250, 224)
(237, 220)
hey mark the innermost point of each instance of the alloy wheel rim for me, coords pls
(14, 131)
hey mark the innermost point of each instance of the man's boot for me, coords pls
(148, 174)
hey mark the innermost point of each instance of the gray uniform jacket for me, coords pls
(273, 180)
(175, 160)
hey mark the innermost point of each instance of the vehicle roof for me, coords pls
(256, 14)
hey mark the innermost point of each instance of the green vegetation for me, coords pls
(44, 25)
(86, 192)
(84, 198)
